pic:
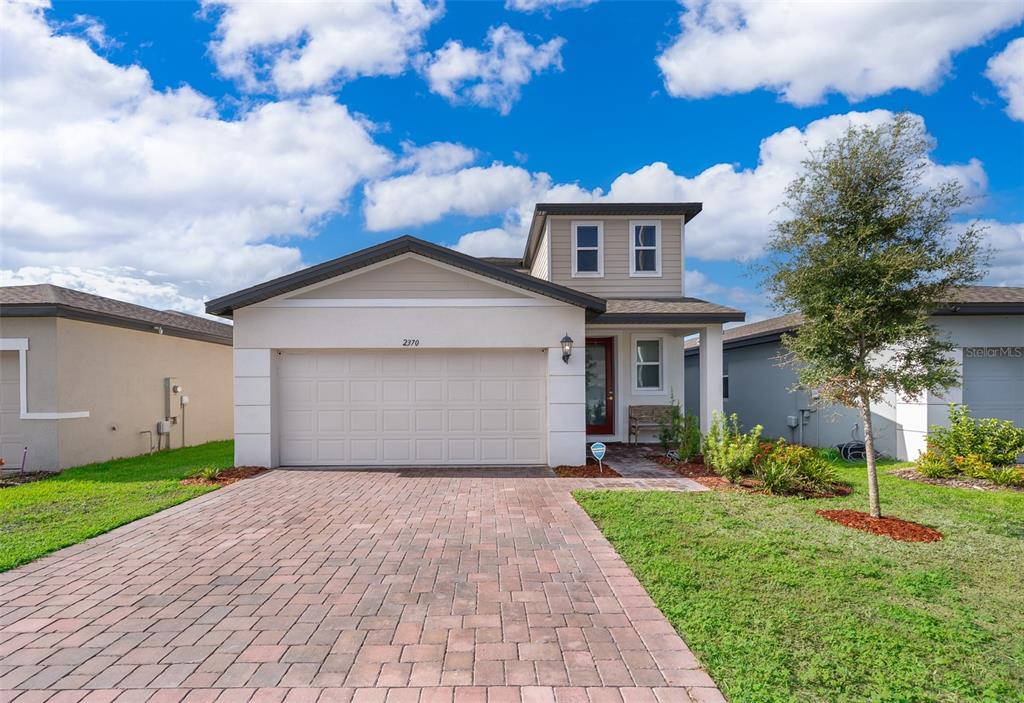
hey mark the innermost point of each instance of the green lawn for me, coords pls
(782, 605)
(79, 503)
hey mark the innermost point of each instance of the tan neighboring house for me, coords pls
(84, 378)
(411, 354)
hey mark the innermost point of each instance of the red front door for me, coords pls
(600, 370)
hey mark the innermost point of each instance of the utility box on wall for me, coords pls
(172, 390)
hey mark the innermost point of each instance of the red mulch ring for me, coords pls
(227, 476)
(588, 471)
(892, 527)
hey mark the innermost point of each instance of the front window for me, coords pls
(587, 255)
(645, 245)
(648, 364)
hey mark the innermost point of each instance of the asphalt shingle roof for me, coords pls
(47, 299)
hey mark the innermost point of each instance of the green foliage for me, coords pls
(729, 451)
(781, 606)
(973, 465)
(996, 442)
(679, 432)
(1006, 476)
(785, 468)
(79, 503)
(830, 454)
(931, 464)
(207, 473)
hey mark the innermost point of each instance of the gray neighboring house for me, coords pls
(84, 378)
(986, 323)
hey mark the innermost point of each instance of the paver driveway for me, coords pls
(364, 586)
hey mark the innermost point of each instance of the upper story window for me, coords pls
(587, 249)
(645, 248)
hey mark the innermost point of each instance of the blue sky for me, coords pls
(187, 167)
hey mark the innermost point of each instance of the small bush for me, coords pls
(790, 468)
(931, 464)
(973, 465)
(729, 451)
(207, 473)
(829, 454)
(996, 442)
(1006, 476)
(779, 476)
(680, 432)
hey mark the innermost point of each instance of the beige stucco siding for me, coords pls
(616, 281)
(118, 376)
(40, 436)
(408, 278)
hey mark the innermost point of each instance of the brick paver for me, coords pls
(418, 586)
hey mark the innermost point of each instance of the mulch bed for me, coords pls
(705, 476)
(226, 477)
(892, 527)
(587, 471)
(17, 479)
(978, 484)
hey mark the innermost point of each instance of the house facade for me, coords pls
(408, 353)
(985, 324)
(84, 378)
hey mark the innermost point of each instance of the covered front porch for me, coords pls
(635, 357)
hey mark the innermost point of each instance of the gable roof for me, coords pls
(644, 311)
(968, 300)
(46, 300)
(541, 211)
(226, 305)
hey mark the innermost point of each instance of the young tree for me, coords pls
(866, 255)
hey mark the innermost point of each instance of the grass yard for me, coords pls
(782, 605)
(79, 503)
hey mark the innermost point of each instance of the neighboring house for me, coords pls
(84, 378)
(986, 324)
(409, 353)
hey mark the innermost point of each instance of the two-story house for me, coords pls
(408, 353)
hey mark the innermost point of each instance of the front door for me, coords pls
(600, 363)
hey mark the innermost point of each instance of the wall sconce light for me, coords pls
(566, 347)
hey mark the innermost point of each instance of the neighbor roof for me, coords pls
(541, 211)
(46, 300)
(642, 311)
(227, 304)
(968, 300)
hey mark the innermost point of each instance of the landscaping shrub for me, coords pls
(786, 468)
(1006, 476)
(972, 465)
(729, 451)
(995, 442)
(207, 473)
(830, 454)
(931, 464)
(680, 432)
(778, 475)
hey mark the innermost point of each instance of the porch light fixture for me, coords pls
(566, 347)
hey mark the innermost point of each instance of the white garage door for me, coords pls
(412, 407)
(994, 387)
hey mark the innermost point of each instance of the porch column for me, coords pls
(710, 374)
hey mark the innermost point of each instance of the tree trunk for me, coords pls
(869, 451)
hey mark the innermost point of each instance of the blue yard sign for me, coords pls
(598, 450)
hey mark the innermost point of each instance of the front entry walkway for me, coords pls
(386, 586)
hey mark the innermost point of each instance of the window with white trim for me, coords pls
(587, 249)
(645, 248)
(648, 364)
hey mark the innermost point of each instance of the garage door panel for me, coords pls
(424, 407)
(994, 387)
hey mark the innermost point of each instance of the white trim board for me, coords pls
(409, 303)
(20, 345)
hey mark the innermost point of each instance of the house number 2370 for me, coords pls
(410, 342)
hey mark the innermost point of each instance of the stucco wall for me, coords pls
(118, 376)
(40, 436)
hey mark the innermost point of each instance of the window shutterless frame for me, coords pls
(642, 247)
(647, 364)
(584, 247)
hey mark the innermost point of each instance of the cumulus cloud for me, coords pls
(298, 46)
(1006, 70)
(436, 157)
(535, 5)
(493, 77)
(103, 170)
(805, 50)
(740, 204)
(1006, 241)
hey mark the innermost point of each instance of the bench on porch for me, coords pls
(644, 417)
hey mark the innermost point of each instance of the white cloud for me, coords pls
(1006, 70)
(1006, 241)
(740, 204)
(436, 157)
(535, 5)
(490, 242)
(104, 171)
(299, 46)
(804, 50)
(491, 78)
